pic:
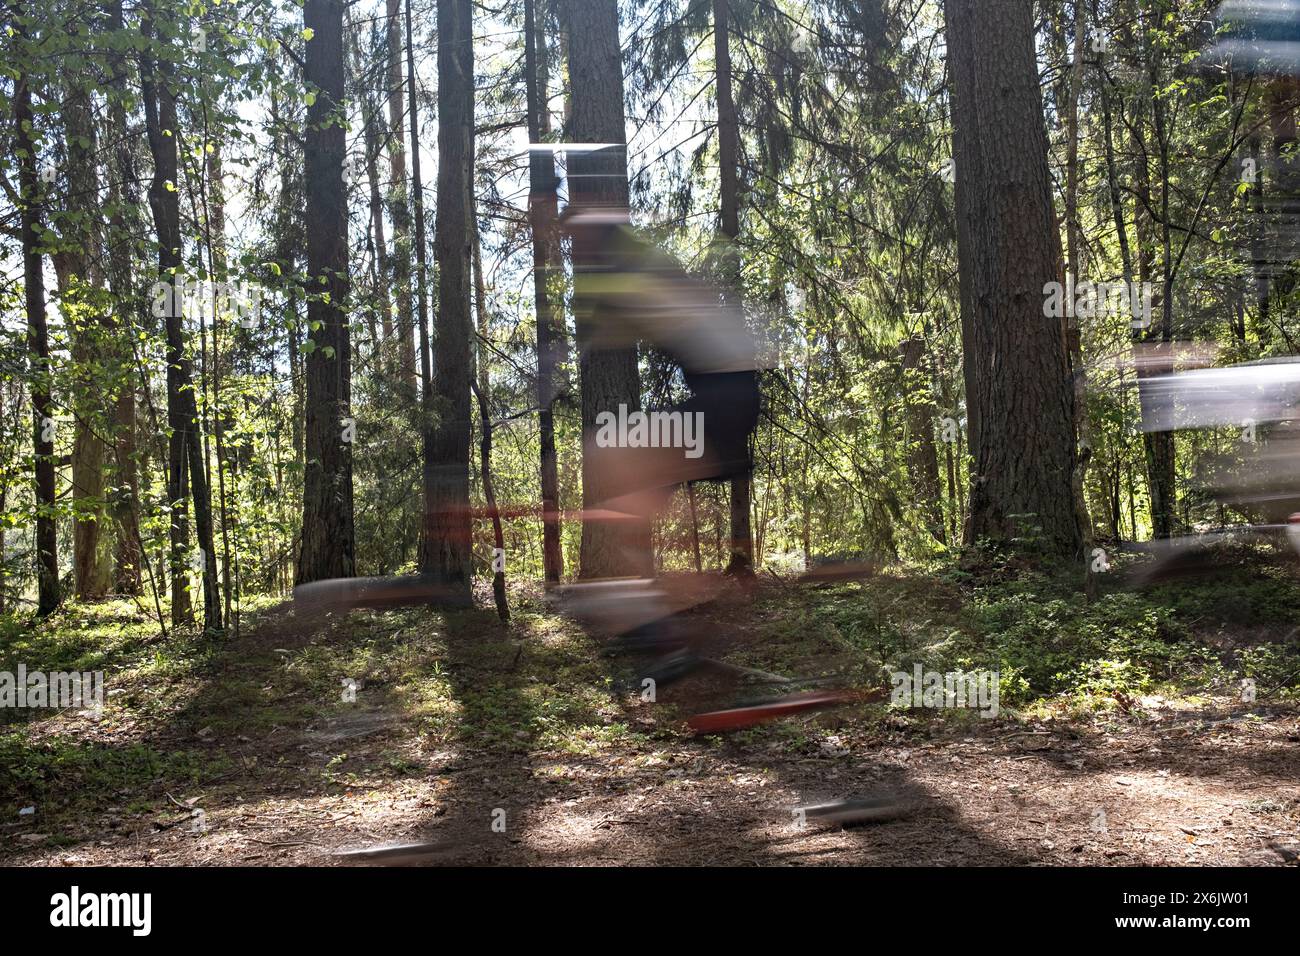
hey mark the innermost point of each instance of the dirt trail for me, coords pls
(1167, 787)
(1201, 794)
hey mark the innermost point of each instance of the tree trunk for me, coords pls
(598, 179)
(1009, 250)
(427, 436)
(741, 561)
(542, 220)
(1158, 447)
(1074, 328)
(159, 107)
(489, 495)
(374, 129)
(78, 265)
(482, 390)
(919, 414)
(966, 159)
(38, 347)
(121, 195)
(1283, 200)
(399, 202)
(328, 535)
(446, 548)
(223, 420)
(1112, 184)
(186, 450)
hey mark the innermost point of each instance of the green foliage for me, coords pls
(1048, 642)
(61, 774)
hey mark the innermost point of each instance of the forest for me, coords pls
(604, 432)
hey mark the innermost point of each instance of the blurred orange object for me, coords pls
(738, 718)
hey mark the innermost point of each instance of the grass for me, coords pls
(1050, 645)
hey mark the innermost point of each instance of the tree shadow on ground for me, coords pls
(642, 793)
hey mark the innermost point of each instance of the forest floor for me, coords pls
(243, 750)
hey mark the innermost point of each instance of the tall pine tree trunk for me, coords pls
(1074, 328)
(399, 202)
(166, 215)
(122, 195)
(1022, 406)
(598, 179)
(38, 347)
(446, 548)
(78, 265)
(374, 129)
(427, 436)
(742, 536)
(542, 220)
(185, 447)
(328, 535)
(1155, 448)
(919, 415)
(1158, 447)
